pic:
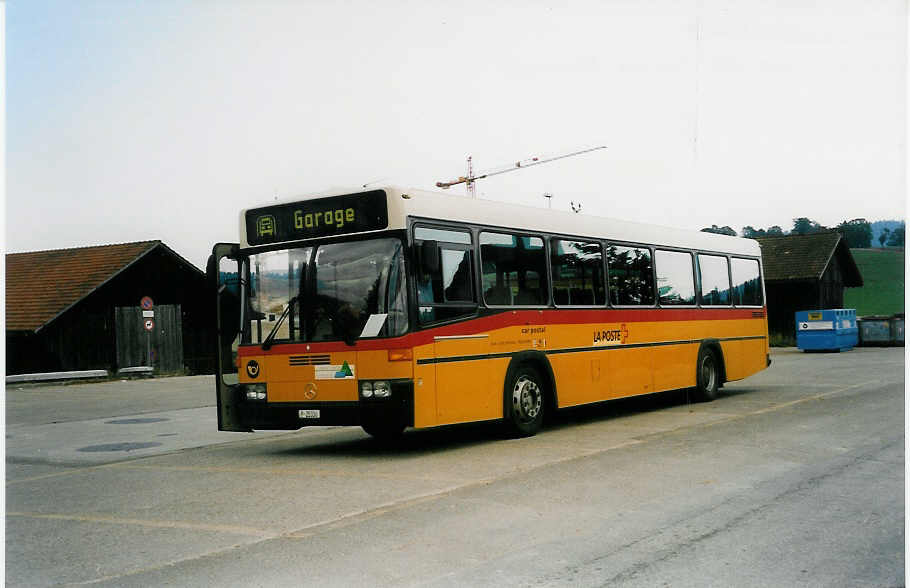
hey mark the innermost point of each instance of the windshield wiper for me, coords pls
(267, 343)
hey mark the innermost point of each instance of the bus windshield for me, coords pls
(331, 292)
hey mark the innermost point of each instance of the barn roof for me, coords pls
(42, 285)
(806, 258)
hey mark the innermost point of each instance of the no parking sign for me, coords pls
(147, 313)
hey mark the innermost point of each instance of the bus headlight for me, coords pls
(382, 389)
(375, 389)
(256, 392)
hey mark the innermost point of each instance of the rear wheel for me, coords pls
(707, 375)
(525, 401)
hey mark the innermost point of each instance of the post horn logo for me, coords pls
(265, 225)
(310, 391)
(252, 369)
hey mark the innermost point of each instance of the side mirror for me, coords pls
(429, 257)
(212, 275)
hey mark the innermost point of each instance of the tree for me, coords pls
(720, 230)
(750, 232)
(806, 226)
(897, 236)
(801, 226)
(883, 236)
(857, 233)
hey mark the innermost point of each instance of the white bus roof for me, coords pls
(412, 202)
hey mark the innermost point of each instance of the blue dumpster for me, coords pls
(826, 330)
(897, 329)
(874, 330)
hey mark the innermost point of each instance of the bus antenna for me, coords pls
(471, 178)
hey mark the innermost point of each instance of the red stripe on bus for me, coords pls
(510, 318)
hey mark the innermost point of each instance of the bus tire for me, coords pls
(525, 401)
(383, 430)
(707, 375)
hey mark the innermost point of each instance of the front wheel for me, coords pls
(707, 375)
(524, 402)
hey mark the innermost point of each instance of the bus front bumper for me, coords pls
(398, 407)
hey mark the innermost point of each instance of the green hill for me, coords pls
(883, 282)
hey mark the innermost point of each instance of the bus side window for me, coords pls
(577, 268)
(514, 270)
(447, 292)
(714, 280)
(746, 282)
(631, 276)
(457, 285)
(675, 281)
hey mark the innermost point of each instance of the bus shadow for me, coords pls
(730, 392)
(611, 409)
(415, 443)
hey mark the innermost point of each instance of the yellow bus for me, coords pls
(392, 308)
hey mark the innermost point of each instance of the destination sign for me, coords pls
(321, 217)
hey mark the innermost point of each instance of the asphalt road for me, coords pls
(794, 477)
(41, 404)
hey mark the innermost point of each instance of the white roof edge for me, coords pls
(455, 207)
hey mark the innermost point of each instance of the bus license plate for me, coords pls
(308, 414)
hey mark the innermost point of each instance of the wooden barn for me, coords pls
(805, 272)
(80, 309)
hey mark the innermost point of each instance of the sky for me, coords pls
(130, 120)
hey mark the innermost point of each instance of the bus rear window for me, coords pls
(746, 282)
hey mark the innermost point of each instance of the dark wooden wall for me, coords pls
(831, 286)
(160, 348)
(785, 298)
(84, 336)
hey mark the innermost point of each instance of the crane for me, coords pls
(470, 178)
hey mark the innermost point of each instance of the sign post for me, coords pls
(149, 324)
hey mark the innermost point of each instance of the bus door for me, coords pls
(465, 390)
(446, 294)
(224, 278)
